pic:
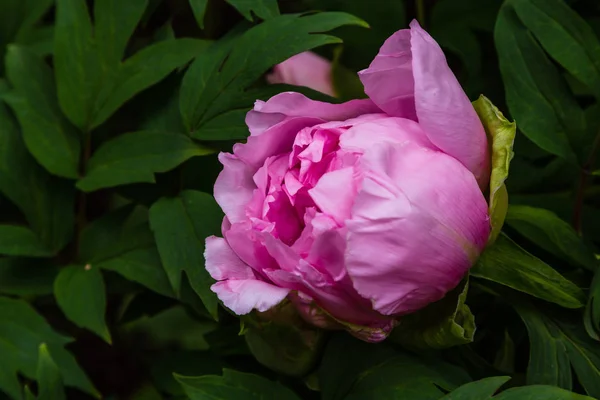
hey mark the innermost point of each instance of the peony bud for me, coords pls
(361, 212)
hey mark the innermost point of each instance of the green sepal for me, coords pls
(445, 323)
(501, 136)
(282, 341)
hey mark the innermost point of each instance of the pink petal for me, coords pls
(246, 242)
(277, 139)
(327, 253)
(292, 104)
(242, 296)
(234, 187)
(397, 130)
(283, 214)
(222, 263)
(410, 78)
(419, 222)
(389, 79)
(338, 298)
(315, 223)
(443, 108)
(375, 330)
(334, 193)
(304, 69)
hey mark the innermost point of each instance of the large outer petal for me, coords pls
(363, 135)
(410, 74)
(443, 108)
(234, 187)
(418, 224)
(389, 79)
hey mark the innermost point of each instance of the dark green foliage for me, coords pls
(112, 113)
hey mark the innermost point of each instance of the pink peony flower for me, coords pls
(304, 69)
(359, 212)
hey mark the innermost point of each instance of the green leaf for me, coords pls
(561, 203)
(142, 266)
(344, 359)
(92, 82)
(551, 233)
(40, 40)
(591, 317)
(22, 331)
(361, 45)
(538, 392)
(26, 277)
(508, 264)
(46, 201)
(77, 63)
(18, 19)
(406, 377)
(199, 10)
(79, 292)
(145, 68)
(231, 125)
(114, 23)
(33, 10)
(445, 323)
(216, 81)
(501, 133)
(48, 136)
(160, 108)
(146, 392)
(485, 389)
(28, 394)
(282, 341)
(557, 347)
(114, 234)
(21, 241)
(454, 24)
(505, 357)
(478, 390)
(50, 385)
(186, 363)
(175, 327)
(537, 96)
(346, 83)
(565, 36)
(264, 9)
(180, 227)
(353, 369)
(136, 157)
(234, 385)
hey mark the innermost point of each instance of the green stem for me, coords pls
(420, 6)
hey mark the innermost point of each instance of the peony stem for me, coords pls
(583, 177)
(420, 6)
